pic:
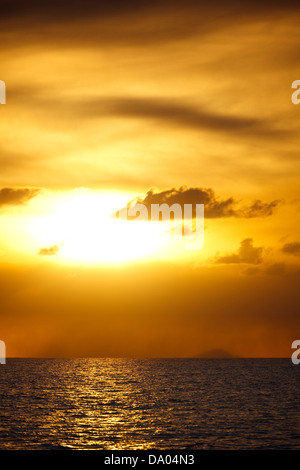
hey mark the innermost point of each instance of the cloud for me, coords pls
(176, 114)
(292, 248)
(259, 209)
(133, 22)
(169, 112)
(251, 271)
(16, 196)
(213, 207)
(273, 269)
(49, 251)
(276, 269)
(246, 254)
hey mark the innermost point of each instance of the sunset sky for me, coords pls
(155, 102)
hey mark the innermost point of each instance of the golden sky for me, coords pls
(175, 102)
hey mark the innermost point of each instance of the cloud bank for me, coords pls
(214, 207)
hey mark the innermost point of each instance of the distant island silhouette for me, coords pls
(216, 354)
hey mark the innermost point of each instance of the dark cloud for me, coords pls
(57, 9)
(169, 112)
(176, 114)
(292, 248)
(259, 209)
(213, 207)
(16, 196)
(49, 251)
(246, 254)
(132, 21)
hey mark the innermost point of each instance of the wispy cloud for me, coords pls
(168, 112)
(259, 209)
(171, 112)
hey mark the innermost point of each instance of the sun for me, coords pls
(82, 227)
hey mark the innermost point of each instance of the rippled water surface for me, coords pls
(151, 403)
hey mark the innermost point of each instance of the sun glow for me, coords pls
(82, 228)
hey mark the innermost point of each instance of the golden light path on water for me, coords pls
(130, 404)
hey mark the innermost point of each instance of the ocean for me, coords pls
(131, 404)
